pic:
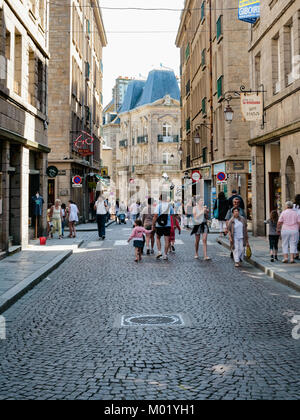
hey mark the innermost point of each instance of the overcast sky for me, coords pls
(131, 54)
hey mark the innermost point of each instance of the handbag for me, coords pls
(248, 252)
(216, 211)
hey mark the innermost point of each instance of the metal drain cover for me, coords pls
(151, 320)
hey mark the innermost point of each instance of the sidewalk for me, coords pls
(22, 271)
(89, 227)
(288, 274)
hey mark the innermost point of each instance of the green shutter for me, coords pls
(204, 106)
(220, 86)
(219, 27)
(187, 52)
(202, 11)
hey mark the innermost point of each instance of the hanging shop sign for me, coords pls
(104, 171)
(85, 152)
(52, 171)
(252, 106)
(249, 10)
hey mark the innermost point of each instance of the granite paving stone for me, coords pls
(63, 343)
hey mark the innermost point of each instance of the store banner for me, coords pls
(252, 106)
(249, 10)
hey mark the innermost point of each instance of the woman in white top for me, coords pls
(238, 236)
(73, 218)
(200, 213)
(56, 218)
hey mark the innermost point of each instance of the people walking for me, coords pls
(238, 236)
(236, 195)
(73, 213)
(220, 210)
(297, 209)
(56, 218)
(121, 215)
(273, 235)
(289, 224)
(200, 213)
(236, 205)
(137, 236)
(162, 225)
(101, 208)
(63, 220)
(134, 211)
(175, 224)
(189, 213)
(147, 216)
(49, 223)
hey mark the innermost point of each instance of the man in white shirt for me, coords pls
(101, 210)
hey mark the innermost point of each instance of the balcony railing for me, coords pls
(142, 140)
(167, 139)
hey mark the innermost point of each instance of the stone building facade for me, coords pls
(24, 58)
(147, 146)
(214, 60)
(275, 62)
(76, 40)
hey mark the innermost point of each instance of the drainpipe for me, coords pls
(211, 85)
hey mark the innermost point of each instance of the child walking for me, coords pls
(138, 239)
(273, 234)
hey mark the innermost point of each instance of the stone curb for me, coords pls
(15, 293)
(256, 262)
(90, 230)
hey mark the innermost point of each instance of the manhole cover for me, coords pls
(151, 320)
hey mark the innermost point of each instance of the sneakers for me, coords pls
(165, 257)
(148, 251)
(272, 259)
(173, 248)
(158, 256)
(152, 251)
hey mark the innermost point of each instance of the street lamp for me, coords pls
(228, 112)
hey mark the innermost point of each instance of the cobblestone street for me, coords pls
(65, 339)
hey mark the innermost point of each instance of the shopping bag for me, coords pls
(248, 252)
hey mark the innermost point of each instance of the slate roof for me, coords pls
(159, 84)
(132, 96)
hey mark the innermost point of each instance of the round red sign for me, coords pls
(196, 176)
(221, 176)
(77, 179)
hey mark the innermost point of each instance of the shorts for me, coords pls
(274, 239)
(163, 231)
(203, 228)
(138, 244)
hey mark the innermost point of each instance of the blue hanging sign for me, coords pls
(249, 10)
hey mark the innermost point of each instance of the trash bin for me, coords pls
(43, 240)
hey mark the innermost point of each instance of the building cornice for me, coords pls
(100, 23)
(183, 17)
(276, 134)
(15, 137)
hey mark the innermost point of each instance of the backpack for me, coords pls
(162, 219)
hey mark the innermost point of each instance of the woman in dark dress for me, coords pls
(221, 208)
